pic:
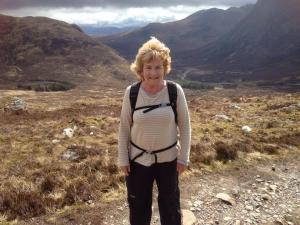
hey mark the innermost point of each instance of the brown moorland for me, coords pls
(48, 177)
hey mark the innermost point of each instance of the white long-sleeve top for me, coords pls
(155, 129)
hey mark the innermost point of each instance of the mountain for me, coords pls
(195, 31)
(264, 45)
(43, 49)
(104, 30)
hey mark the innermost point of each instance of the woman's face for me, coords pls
(153, 72)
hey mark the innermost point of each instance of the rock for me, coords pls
(237, 222)
(265, 197)
(273, 168)
(188, 217)
(70, 155)
(236, 191)
(197, 203)
(246, 129)
(227, 218)
(55, 141)
(234, 106)
(259, 180)
(244, 211)
(273, 187)
(68, 132)
(248, 220)
(226, 198)
(278, 222)
(255, 215)
(13, 104)
(193, 209)
(294, 216)
(89, 202)
(222, 117)
(249, 207)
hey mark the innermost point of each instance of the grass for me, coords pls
(35, 180)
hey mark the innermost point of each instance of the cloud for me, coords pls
(118, 13)
(18, 4)
(110, 17)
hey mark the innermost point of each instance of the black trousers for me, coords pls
(139, 189)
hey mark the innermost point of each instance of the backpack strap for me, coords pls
(172, 90)
(134, 91)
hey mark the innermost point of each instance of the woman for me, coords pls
(154, 137)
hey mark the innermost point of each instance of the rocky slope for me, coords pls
(264, 194)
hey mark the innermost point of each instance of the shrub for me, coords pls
(49, 183)
(271, 149)
(201, 153)
(225, 151)
(20, 199)
(78, 190)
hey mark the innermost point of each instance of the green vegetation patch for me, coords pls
(194, 85)
(46, 86)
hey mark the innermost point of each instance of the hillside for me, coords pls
(94, 30)
(264, 45)
(43, 49)
(192, 32)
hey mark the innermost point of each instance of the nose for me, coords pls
(153, 72)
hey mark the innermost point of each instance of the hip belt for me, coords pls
(152, 152)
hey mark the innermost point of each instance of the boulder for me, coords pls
(188, 217)
(13, 104)
(226, 198)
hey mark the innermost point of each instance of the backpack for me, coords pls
(172, 91)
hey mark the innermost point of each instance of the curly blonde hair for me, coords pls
(152, 49)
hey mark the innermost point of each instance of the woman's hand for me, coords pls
(126, 170)
(181, 168)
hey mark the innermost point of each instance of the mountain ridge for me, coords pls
(266, 43)
(39, 48)
(191, 32)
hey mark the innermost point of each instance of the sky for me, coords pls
(118, 13)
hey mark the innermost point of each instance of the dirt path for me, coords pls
(268, 193)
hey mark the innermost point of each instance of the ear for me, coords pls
(141, 75)
(165, 73)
